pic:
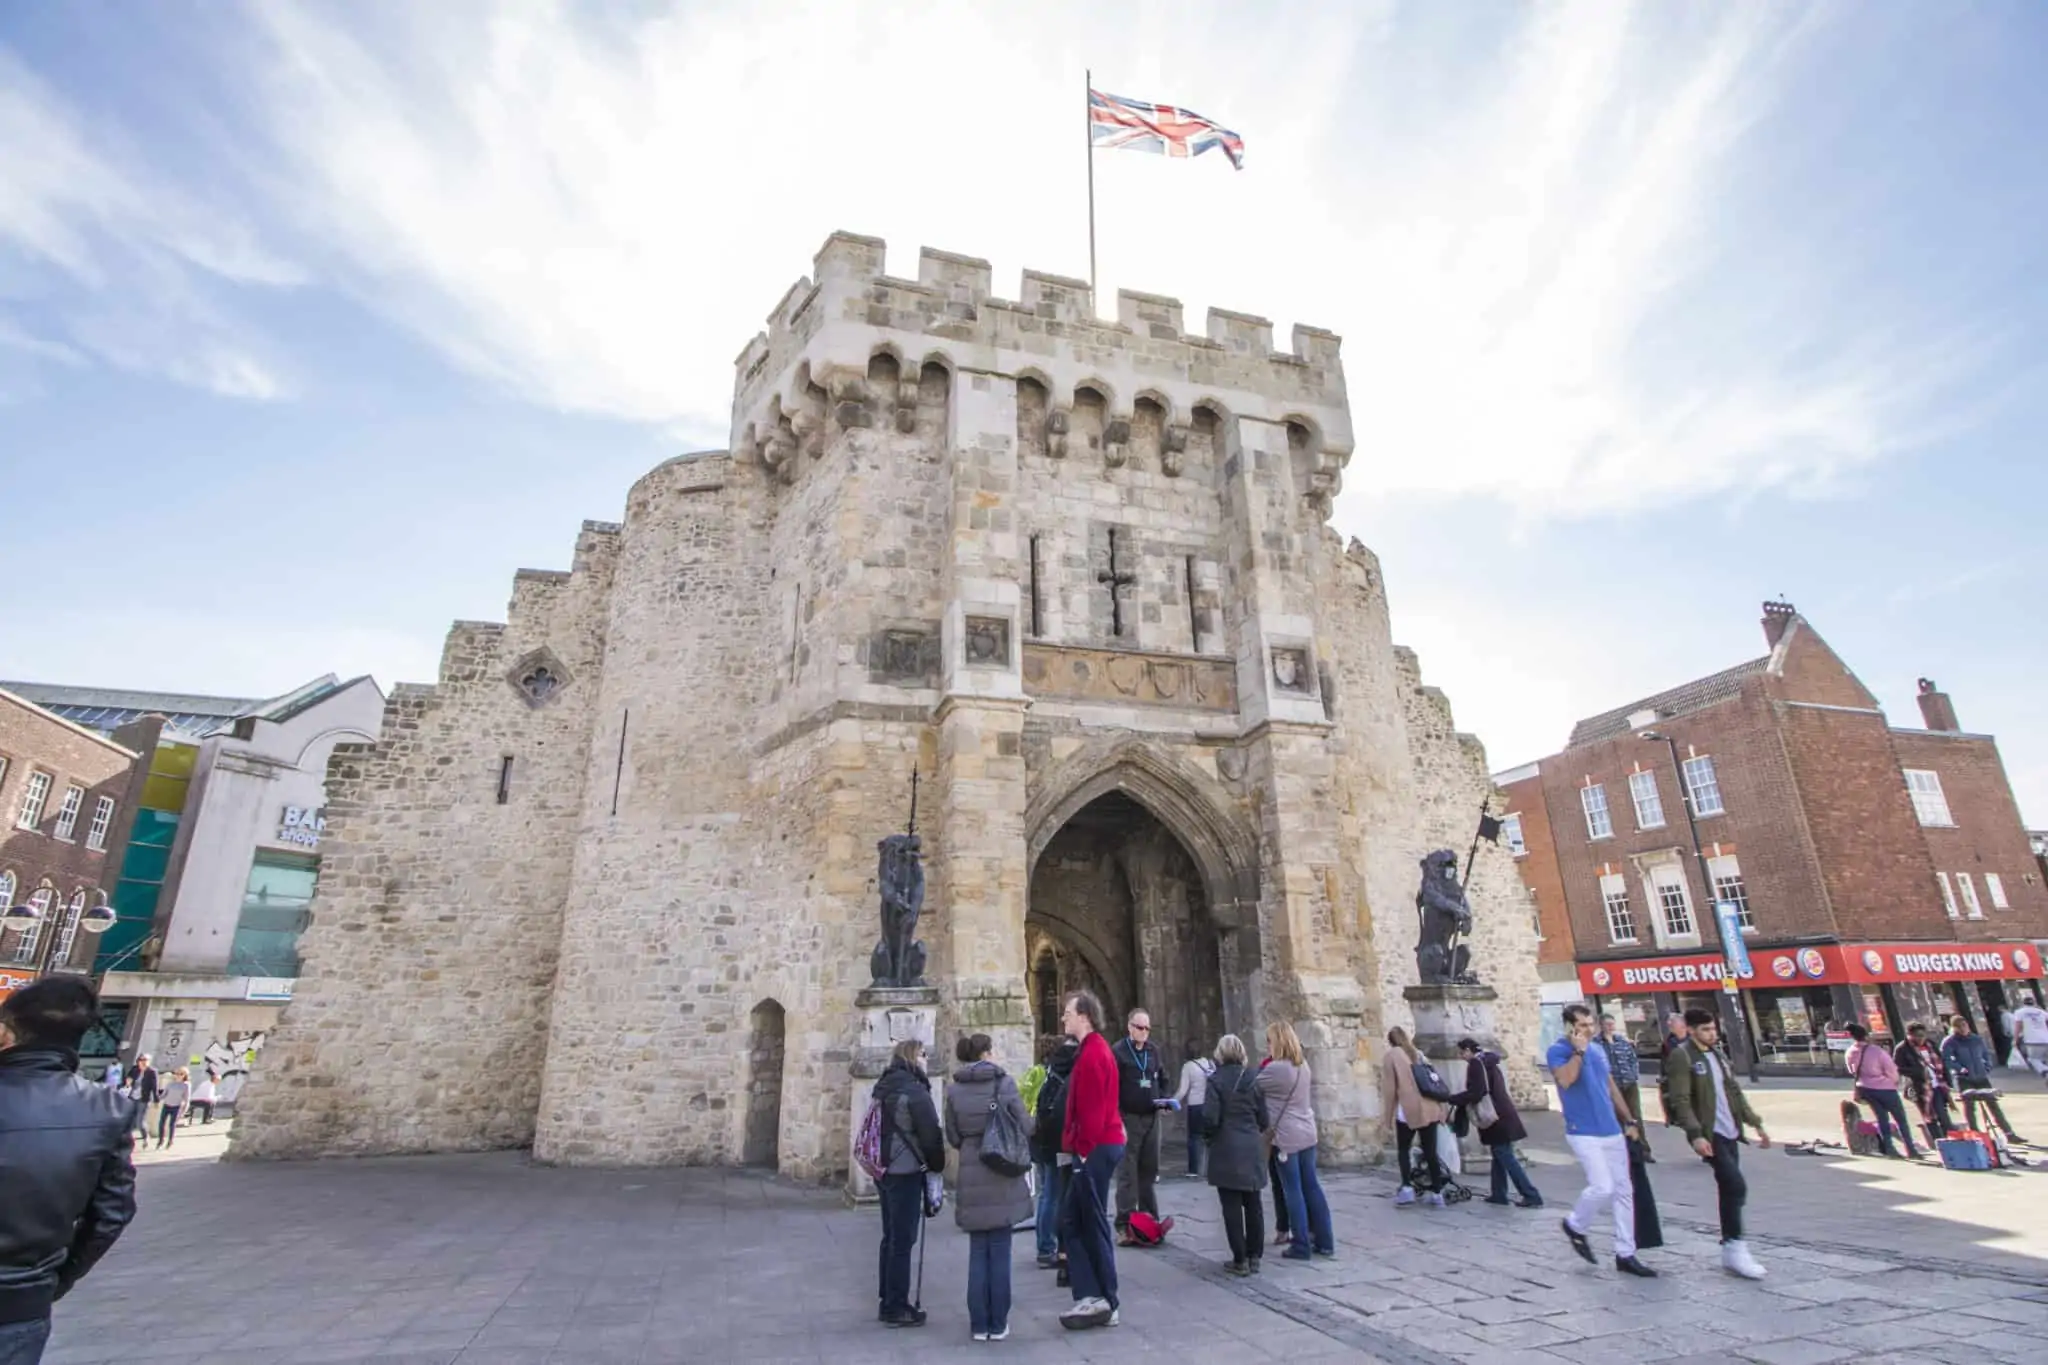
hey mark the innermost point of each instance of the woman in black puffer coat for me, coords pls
(1233, 1119)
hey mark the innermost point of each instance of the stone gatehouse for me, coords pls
(608, 886)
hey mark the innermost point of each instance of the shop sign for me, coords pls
(1652, 974)
(269, 988)
(301, 825)
(1828, 964)
(1943, 962)
(1728, 918)
(10, 982)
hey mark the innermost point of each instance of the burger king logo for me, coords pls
(1812, 963)
(2023, 960)
(1873, 961)
(1782, 967)
(1602, 977)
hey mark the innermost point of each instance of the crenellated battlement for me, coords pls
(812, 364)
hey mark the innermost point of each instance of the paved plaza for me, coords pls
(489, 1258)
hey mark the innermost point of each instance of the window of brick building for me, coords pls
(3, 769)
(1995, 884)
(67, 814)
(67, 932)
(1594, 800)
(102, 821)
(6, 891)
(1972, 907)
(1642, 787)
(1621, 921)
(25, 946)
(1511, 830)
(1727, 875)
(1703, 786)
(1929, 804)
(1948, 895)
(1673, 903)
(33, 800)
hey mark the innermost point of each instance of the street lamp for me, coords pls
(96, 919)
(1706, 878)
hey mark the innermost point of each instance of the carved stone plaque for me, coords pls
(902, 655)
(1292, 672)
(1123, 676)
(988, 642)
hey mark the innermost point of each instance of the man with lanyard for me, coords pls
(1597, 1126)
(1702, 1098)
(1141, 1081)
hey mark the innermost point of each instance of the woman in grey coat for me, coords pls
(987, 1205)
(1233, 1119)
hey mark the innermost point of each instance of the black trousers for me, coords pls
(1728, 1179)
(1244, 1223)
(1404, 1137)
(902, 1225)
(1279, 1194)
(1966, 1089)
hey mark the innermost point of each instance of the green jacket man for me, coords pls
(1688, 1091)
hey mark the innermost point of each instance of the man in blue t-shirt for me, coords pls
(1597, 1127)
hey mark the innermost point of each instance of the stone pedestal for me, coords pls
(1443, 1015)
(888, 1015)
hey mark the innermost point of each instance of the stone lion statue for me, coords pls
(1445, 914)
(898, 959)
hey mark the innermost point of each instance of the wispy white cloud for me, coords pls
(128, 259)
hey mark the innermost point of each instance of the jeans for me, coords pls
(1940, 1123)
(1196, 1147)
(1507, 1166)
(988, 1280)
(1279, 1192)
(167, 1125)
(1432, 1162)
(1244, 1224)
(1308, 1212)
(203, 1108)
(902, 1224)
(1091, 1247)
(21, 1343)
(1968, 1087)
(1734, 1190)
(1046, 1213)
(1605, 1161)
(1890, 1111)
(1137, 1179)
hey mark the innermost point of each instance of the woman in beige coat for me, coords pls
(1413, 1115)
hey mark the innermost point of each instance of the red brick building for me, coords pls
(1878, 874)
(67, 796)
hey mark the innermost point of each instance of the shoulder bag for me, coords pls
(1004, 1148)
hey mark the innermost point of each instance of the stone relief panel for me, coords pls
(539, 677)
(988, 641)
(1292, 671)
(1124, 676)
(904, 654)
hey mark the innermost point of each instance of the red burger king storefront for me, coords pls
(1798, 1000)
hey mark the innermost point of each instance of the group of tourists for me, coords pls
(1933, 1075)
(164, 1099)
(1094, 1136)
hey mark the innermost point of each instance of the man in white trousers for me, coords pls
(1597, 1127)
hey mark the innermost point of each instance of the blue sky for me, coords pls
(316, 321)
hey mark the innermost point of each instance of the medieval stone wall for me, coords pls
(420, 1023)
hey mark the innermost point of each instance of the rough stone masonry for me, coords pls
(607, 887)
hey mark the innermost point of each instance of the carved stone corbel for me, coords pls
(777, 449)
(851, 397)
(906, 404)
(1173, 447)
(808, 431)
(1059, 424)
(1116, 442)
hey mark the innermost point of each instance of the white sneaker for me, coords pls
(1736, 1260)
(1116, 1315)
(1086, 1313)
(981, 1336)
(1404, 1195)
(999, 1336)
(1434, 1199)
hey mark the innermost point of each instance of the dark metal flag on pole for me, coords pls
(1489, 830)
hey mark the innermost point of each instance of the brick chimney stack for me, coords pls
(1936, 709)
(1777, 618)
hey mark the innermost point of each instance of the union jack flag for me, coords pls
(1161, 129)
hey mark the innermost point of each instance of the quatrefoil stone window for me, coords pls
(539, 677)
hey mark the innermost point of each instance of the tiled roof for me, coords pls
(1679, 701)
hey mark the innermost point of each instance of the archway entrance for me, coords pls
(764, 1085)
(1118, 907)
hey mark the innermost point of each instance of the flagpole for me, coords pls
(1088, 116)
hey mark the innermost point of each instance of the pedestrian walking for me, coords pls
(1193, 1093)
(1486, 1091)
(1414, 1117)
(1969, 1062)
(1049, 1163)
(1628, 1068)
(2030, 1034)
(1597, 1125)
(1675, 1030)
(1289, 1088)
(987, 1205)
(111, 1077)
(1877, 1084)
(1925, 1081)
(204, 1092)
(146, 1089)
(66, 1147)
(1233, 1120)
(174, 1097)
(1702, 1098)
(1141, 1091)
(1095, 1136)
(912, 1144)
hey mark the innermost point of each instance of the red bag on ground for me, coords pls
(1148, 1231)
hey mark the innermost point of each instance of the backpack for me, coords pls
(1429, 1081)
(1004, 1148)
(867, 1145)
(1148, 1231)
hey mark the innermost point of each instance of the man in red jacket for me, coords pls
(1095, 1136)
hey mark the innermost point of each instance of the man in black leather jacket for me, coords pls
(65, 1148)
